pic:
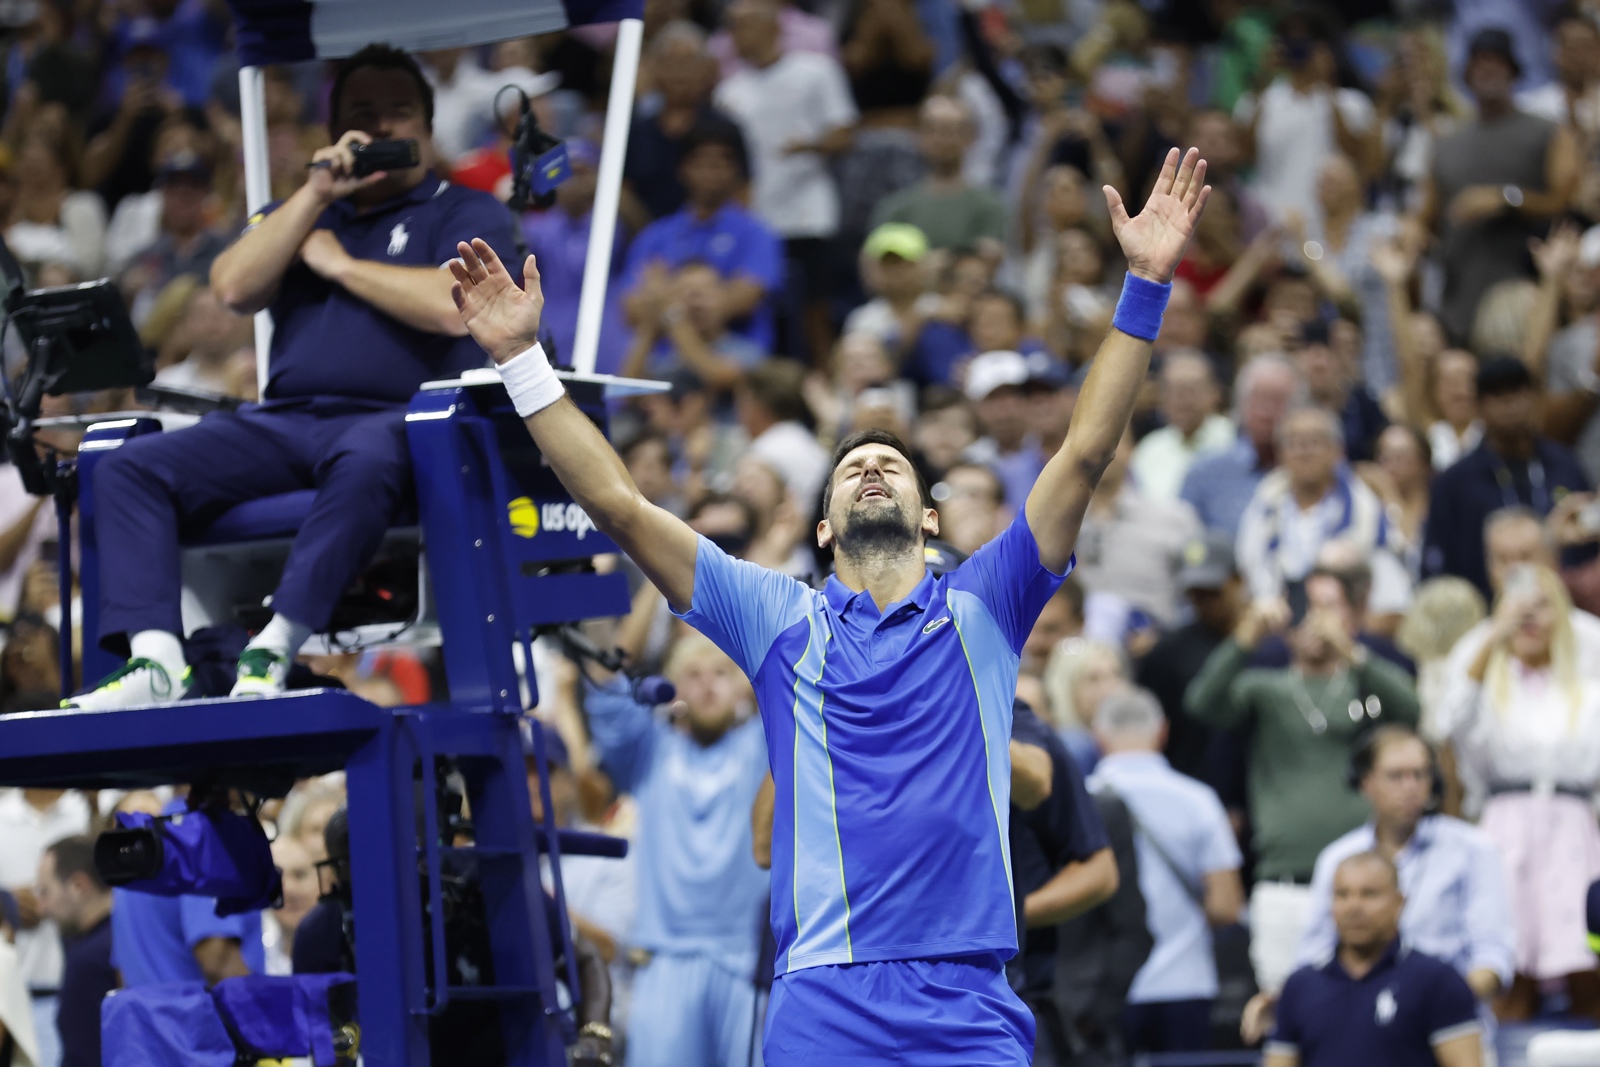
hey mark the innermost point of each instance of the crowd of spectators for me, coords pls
(1332, 597)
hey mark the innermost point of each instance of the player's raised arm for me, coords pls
(1153, 242)
(504, 319)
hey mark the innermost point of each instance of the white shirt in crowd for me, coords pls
(1294, 138)
(25, 832)
(792, 450)
(799, 99)
(1164, 456)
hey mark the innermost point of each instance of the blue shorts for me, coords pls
(907, 1013)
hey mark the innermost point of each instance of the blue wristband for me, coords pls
(1139, 311)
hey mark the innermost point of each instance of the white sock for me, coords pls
(282, 635)
(161, 648)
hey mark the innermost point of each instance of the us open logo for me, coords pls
(528, 518)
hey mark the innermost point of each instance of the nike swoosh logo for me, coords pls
(935, 624)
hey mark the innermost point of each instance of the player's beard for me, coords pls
(873, 532)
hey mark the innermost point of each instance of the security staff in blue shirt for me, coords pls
(351, 269)
(1378, 1001)
(886, 697)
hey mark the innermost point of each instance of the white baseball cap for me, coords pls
(994, 370)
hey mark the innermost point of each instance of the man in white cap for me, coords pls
(996, 384)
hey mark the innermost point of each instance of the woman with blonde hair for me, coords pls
(1526, 729)
(1081, 673)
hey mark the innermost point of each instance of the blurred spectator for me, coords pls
(1188, 871)
(1060, 619)
(1339, 261)
(465, 94)
(191, 33)
(953, 214)
(1333, 384)
(702, 897)
(200, 350)
(684, 76)
(117, 161)
(995, 384)
(1402, 479)
(1457, 908)
(138, 219)
(1312, 499)
(1098, 955)
(1513, 466)
(895, 271)
(1129, 540)
(712, 227)
(52, 220)
(1211, 583)
(300, 890)
(1193, 429)
(796, 113)
(1525, 723)
(74, 897)
(1377, 1000)
(559, 238)
(1302, 117)
(799, 31)
(1079, 675)
(692, 334)
(1572, 97)
(183, 241)
(946, 429)
(772, 409)
(972, 506)
(1062, 866)
(1442, 612)
(31, 820)
(1493, 181)
(1301, 734)
(1220, 487)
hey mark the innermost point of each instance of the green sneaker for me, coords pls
(137, 682)
(262, 673)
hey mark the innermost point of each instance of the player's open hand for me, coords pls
(501, 316)
(1153, 240)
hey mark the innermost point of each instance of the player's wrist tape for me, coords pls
(532, 385)
(1140, 309)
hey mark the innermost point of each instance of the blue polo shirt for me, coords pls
(153, 938)
(732, 240)
(329, 343)
(887, 736)
(1219, 487)
(1394, 1015)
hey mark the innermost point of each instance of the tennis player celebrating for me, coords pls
(886, 696)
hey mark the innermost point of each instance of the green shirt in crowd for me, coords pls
(1301, 732)
(950, 220)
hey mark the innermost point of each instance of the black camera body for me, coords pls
(384, 155)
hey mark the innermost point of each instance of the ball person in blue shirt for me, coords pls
(886, 697)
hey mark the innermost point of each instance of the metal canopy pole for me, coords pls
(257, 185)
(607, 195)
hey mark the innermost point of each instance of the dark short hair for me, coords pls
(1501, 375)
(873, 437)
(777, 384)
(1355, 582)
(714, 132)
(1017, 305)
(719, 500)
(379, 57)
(75, 855)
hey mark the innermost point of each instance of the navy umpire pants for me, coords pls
(153, 488)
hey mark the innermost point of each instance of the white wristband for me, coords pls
(532, 385)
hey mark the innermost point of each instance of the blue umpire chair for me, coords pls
(507, 553)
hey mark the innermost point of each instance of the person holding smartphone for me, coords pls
(349, 267)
